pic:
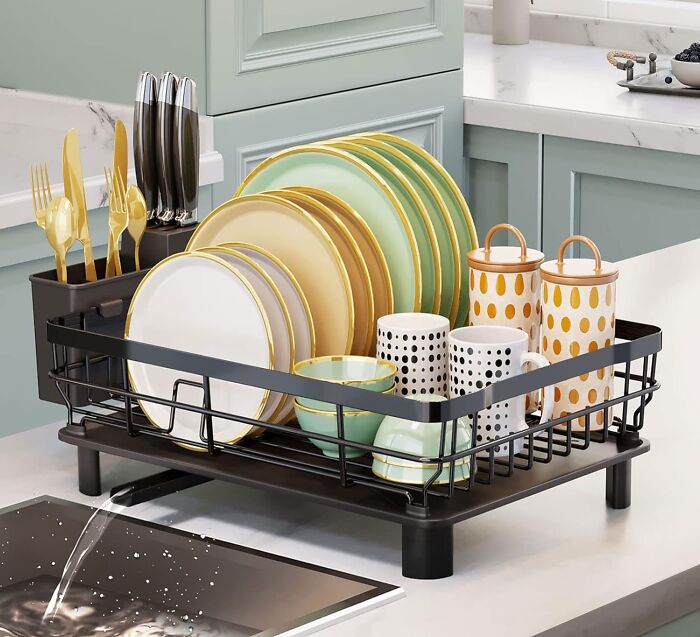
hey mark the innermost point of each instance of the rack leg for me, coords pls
(618, 485)
(426, 552)
(89, 481)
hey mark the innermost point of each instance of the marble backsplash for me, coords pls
(586, 31)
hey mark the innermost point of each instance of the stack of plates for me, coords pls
(396, 219)
(318, 242)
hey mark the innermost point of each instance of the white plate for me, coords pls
(277, 314)
(293, 295)
(199, 303)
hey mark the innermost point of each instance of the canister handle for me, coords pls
(505, 226)
(580, 239)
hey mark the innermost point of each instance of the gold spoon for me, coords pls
(136, 205)
(61, 231)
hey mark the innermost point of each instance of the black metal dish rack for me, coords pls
(283, 460)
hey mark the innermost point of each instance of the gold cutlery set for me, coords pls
(65, 219)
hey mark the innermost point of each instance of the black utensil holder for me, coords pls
(51, 299)
(157, 243)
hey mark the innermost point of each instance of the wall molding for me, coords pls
(431, 120)
(253, 56)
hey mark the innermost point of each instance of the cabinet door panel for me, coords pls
(423, 110)
(263, 52)
(503, 181)
(628, 200)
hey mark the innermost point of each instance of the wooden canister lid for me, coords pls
(505, 258)
(593, 271)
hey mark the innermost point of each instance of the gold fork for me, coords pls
(55, 215)
(118, 220)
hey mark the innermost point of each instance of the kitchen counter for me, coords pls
(32, 127)
(570, 91)
(528, 567)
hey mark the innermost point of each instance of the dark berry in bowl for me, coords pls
(668, 79)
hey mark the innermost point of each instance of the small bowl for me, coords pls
(687, 73)
(360, 426)
(363, 372)
(419, 439)
(319, 405)
(413, 475)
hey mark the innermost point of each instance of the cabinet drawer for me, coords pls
(427, 110)
(628, 200)
(263, 52)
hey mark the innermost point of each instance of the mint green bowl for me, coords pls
(360, 426)
(416, 475)
(363, 372)
(419, 439)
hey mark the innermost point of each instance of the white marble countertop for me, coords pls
(571, 91)
(550, 557)
(32, 127)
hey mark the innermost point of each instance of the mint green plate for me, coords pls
(459, 210)
(362, 188)
(426, 238)
(445, 231)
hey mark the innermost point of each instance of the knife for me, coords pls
(165, 110)
(144, 142)
(186, 136)
(120, 165)
(75, 192)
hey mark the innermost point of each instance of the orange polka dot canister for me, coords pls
(504, 289)
(578, 316)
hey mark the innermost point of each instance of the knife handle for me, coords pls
(144, 142)
(186, 135)
(164, 147)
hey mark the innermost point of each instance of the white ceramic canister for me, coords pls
(511, 21)
(504, 289)
(578, 316)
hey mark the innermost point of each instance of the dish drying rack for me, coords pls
(90, 371)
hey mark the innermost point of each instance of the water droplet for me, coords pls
(211, 583)
(136, 556)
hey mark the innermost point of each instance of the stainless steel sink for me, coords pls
(147, 579)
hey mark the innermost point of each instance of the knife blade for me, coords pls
(165, 112)
(75, 192)
(144, 142)
(186, 134)
(119, 168)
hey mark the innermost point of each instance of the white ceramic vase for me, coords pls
(511, 21)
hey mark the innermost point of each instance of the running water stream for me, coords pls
(89, 536)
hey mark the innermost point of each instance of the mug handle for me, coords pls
(548, 392)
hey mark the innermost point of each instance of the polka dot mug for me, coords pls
(417, 344)
(482, 355)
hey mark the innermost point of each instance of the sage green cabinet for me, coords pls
(628, 200)
(263, 52)
(96, 50)
(427, 110)
(242, 53)
(503, 181)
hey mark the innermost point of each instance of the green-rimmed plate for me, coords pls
(362, 188)
(459, 210)
(439, 215)
(426, 238)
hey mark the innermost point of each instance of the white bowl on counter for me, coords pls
(687, 73)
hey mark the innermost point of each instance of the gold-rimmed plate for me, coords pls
(277, 314)
(297, 239)
(362, 294)
(295, 300)
(428, 249)
(439, 215)
(199, 303)
(453, 198)
(365, 191)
